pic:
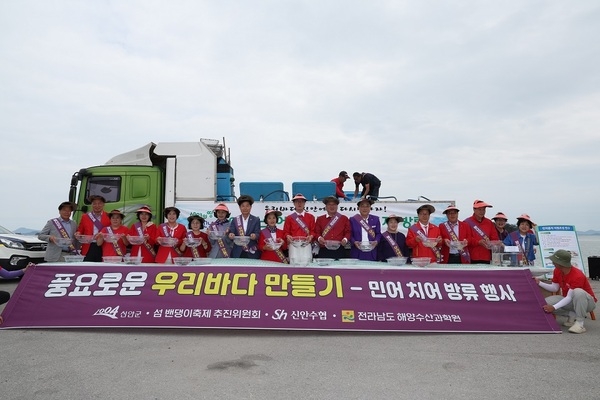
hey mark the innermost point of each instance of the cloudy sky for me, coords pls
(452, 100)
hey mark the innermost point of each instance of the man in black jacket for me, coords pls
(370, 185)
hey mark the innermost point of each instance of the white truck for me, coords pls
(195, 176)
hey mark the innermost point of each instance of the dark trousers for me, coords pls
(454, 259)
(480, 261)
(94, 253)
(247, 254)
(373, 193)
(4, 296)
(342, 252)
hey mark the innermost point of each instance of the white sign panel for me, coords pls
(556, 237)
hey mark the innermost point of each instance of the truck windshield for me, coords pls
(105, 186)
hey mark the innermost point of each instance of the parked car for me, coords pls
(16, 251)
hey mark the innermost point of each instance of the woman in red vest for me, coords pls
(170, 229)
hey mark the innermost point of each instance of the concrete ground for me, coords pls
(242, 364)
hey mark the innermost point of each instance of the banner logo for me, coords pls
(279, 314)
(108, 312)
(347, 315)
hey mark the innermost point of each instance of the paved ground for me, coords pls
(221, 364)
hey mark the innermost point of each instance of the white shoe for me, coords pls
(569, 323)
(577, 328)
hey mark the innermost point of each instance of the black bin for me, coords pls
(594, 267)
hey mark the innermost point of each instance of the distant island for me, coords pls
(588, 233)
(27, 231)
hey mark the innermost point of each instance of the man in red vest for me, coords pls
(577, 297)
(91, 223)
(484, 231)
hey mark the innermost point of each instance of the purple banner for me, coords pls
(251, 297)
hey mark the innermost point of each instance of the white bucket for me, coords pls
(301, 256)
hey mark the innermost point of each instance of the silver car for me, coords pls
(16, 251)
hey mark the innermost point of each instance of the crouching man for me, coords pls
(577, 298)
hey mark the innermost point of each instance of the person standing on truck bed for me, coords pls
(91, 223)
(339, 185)
(220, 243)
(170, 229)
(370, 183)
(245, 224)
(62, 227)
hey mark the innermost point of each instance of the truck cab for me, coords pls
(158, 176)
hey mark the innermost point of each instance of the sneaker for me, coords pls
(577, 328)
(569, 323)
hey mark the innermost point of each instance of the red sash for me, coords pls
(465, 257)
(419, 232)
(392, 243)
(365, 226)
(115, 243)
(63, 232)
(267, 235)
(138, 228)
(167, 233)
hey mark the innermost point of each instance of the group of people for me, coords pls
(469, 241)
(100, 234)
(361, 236)
(370, 185)
(453, 241)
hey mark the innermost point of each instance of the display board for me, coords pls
(556, 237)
